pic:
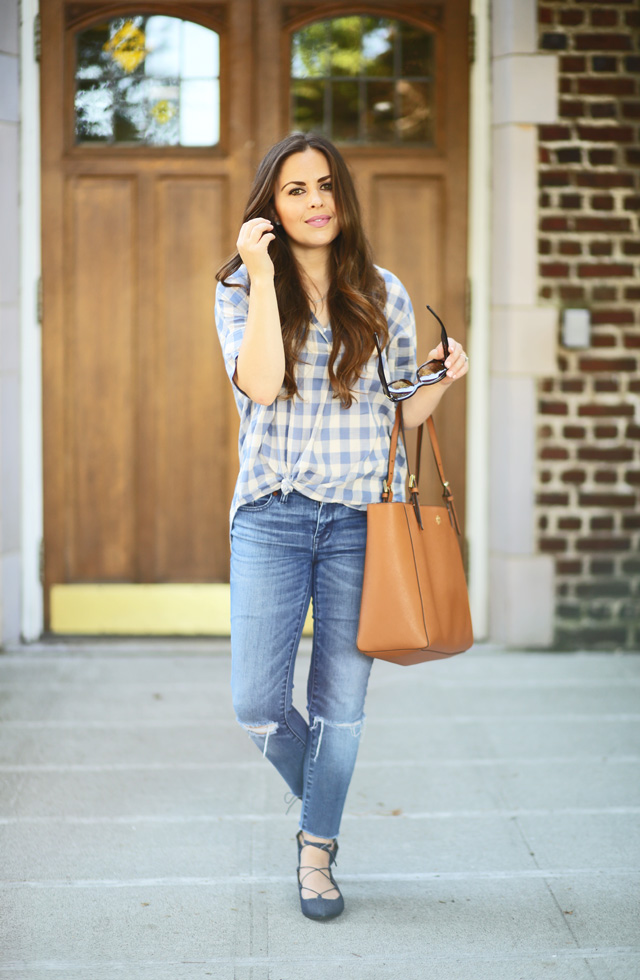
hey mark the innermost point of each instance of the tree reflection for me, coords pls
(149, 80)
(363, 79)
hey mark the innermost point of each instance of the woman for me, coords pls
(297, 308)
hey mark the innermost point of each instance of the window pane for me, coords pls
(163, 47)
(415, 122)
(308, 105)
(200, 114)
(345, 50)
(200, 52)
(310, 51)
(150, 80)
(416, 51)
(346, 103)
(378, 46)
(380, 114)
(94, 107)
(379, 80)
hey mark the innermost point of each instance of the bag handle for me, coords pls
(387, 492)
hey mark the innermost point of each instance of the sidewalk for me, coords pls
(491, 832)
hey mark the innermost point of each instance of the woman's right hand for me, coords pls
(253, 247)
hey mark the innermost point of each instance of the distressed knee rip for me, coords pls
(268, 729)
(353, 728)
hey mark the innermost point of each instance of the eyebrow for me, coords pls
(303, 183)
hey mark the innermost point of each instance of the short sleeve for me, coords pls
(231, 310)
(401, 351)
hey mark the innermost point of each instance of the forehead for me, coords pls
(308, 166)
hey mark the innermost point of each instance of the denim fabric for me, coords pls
(285, 549)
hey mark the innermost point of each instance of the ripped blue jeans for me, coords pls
(286, 549)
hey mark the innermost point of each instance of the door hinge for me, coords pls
(468, 301)
(41, 561)
(37, 38)
(39, 303)
(472, 38)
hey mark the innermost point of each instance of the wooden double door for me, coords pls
(140, 432)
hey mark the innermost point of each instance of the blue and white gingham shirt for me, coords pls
(310, 443)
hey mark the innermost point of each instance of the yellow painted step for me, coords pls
(143, 610)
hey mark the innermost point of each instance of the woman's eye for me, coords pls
(327, 187)
(296, 191)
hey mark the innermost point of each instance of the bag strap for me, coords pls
(387, 492)
(387, 484)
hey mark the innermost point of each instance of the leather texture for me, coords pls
(415, 605)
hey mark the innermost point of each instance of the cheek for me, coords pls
(284, 212)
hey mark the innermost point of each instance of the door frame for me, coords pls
(32, 617)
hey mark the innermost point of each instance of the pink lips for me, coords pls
(319, 222)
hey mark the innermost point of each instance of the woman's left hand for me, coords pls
(457, 363)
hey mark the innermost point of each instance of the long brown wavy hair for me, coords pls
(357, 293)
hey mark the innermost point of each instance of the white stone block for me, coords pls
(10, 461)
(523, 340)
(514, 236)
(512, 465)
(522, 600)
(513, 27)
(9, 236)
(9, 40)
(9, 339)
(9, 111)
(10, 599)
(525, 89)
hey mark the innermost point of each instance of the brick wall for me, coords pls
(588, 491)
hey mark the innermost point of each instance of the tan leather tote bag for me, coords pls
(415, 605)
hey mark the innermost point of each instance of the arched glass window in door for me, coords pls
(362, 79)
(147, 80)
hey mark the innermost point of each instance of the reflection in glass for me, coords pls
(200, 100)
(308, 104)
(345, 98)
(364, 79)
(416, 49)
(310, 51)
(414, 122)
(380, 112)
(378, 35)
(148, 80)
(345, 56)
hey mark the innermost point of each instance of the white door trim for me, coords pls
(478, 345)
(32, 615)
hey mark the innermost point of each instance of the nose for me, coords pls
(315, 199)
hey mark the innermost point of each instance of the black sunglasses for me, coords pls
(427, 374)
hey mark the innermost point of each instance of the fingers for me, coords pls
(457, 363)
(255, 233)
(253, 246)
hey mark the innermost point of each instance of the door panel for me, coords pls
(401, 204)
(100, 397)
(192, 509)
